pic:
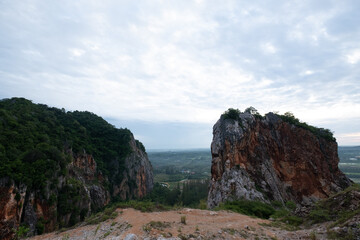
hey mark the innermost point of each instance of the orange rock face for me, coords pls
(282, 161)
(34, 208)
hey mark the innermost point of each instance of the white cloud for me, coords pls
(268, 48)
(307, 73)
(353, 57)
(76, 52)
(184, 61)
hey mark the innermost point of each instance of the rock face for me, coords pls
(73, 196)
(266, 158)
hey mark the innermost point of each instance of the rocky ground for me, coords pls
(132, 224)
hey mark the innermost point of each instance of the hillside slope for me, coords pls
(57, 167)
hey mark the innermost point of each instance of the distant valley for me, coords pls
(350, 162)
(173, 166)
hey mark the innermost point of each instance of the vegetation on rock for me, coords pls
(288, 117)
(34, 136)
(320, 132)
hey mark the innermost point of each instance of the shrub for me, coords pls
(231, 113)
(251, 208)
(156, 225)
(319, 215)
(21, 231)
(319, 132)
(293, 220)
(290, 205)
(183, 219)
(40, 227)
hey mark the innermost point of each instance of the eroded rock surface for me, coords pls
(71, 197)
(266, 158)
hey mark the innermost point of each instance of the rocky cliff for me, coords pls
(274, 157)
(61, 167)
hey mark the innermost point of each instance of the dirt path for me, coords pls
(200, 224)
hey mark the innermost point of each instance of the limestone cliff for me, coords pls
(267, 158)
(76, 195)
(57, 167)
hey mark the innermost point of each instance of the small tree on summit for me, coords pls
(252, 110)
(231, 113)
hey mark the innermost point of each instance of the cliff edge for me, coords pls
(58, 167)
(272, 157)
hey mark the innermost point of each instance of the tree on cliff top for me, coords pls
(231, 113)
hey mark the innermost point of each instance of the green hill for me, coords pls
(33, 138)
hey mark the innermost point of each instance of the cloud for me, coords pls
(184, 61)
(349, 138)
(268, 48)
(353, 57)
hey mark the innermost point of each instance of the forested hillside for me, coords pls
(58, 167)
(33, 138)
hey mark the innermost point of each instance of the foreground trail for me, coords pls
(180, 224)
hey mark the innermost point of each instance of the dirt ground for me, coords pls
(131, 224)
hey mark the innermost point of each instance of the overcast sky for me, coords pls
(168, 69)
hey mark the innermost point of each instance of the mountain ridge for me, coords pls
(58, 167)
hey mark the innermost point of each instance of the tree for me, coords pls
(252, 110)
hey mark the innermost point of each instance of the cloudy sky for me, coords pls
(168, 69)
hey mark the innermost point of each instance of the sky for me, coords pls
(168, 69)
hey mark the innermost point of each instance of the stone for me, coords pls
(269, 159)
(131, 236)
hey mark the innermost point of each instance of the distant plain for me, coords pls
(174, 166)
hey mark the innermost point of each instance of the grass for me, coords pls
(183, 220)
(335, 208)
(156, 225)
(106, 234)
(250, 208)
(143, 206)
(108, 213)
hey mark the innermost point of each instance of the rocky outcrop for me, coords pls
(137, 174)
(69, 198)
(266, 158)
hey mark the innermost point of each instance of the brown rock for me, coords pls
(269, 159)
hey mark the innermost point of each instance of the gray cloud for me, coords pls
(186, 61)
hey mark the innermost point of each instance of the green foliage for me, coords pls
(17, 197)
(319, 215)
(33, 138)
(190, 195)
(320, 132)
(140, 145)
(40, 226)
(183, 219)
(144, 206)
(169, 166)
(231, 113)
(335, 208)
(108, 213)
(285, 214)
(193, 192)
(251, 208)
(290, 205)
(156, 225)
(21, 231)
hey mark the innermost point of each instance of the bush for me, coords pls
(251, 208)
(144, 206)
(293, 220)
(183, 219)
(231, 113)
(319, 215)
(290, 205)
(319, 132)
(21, 231)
